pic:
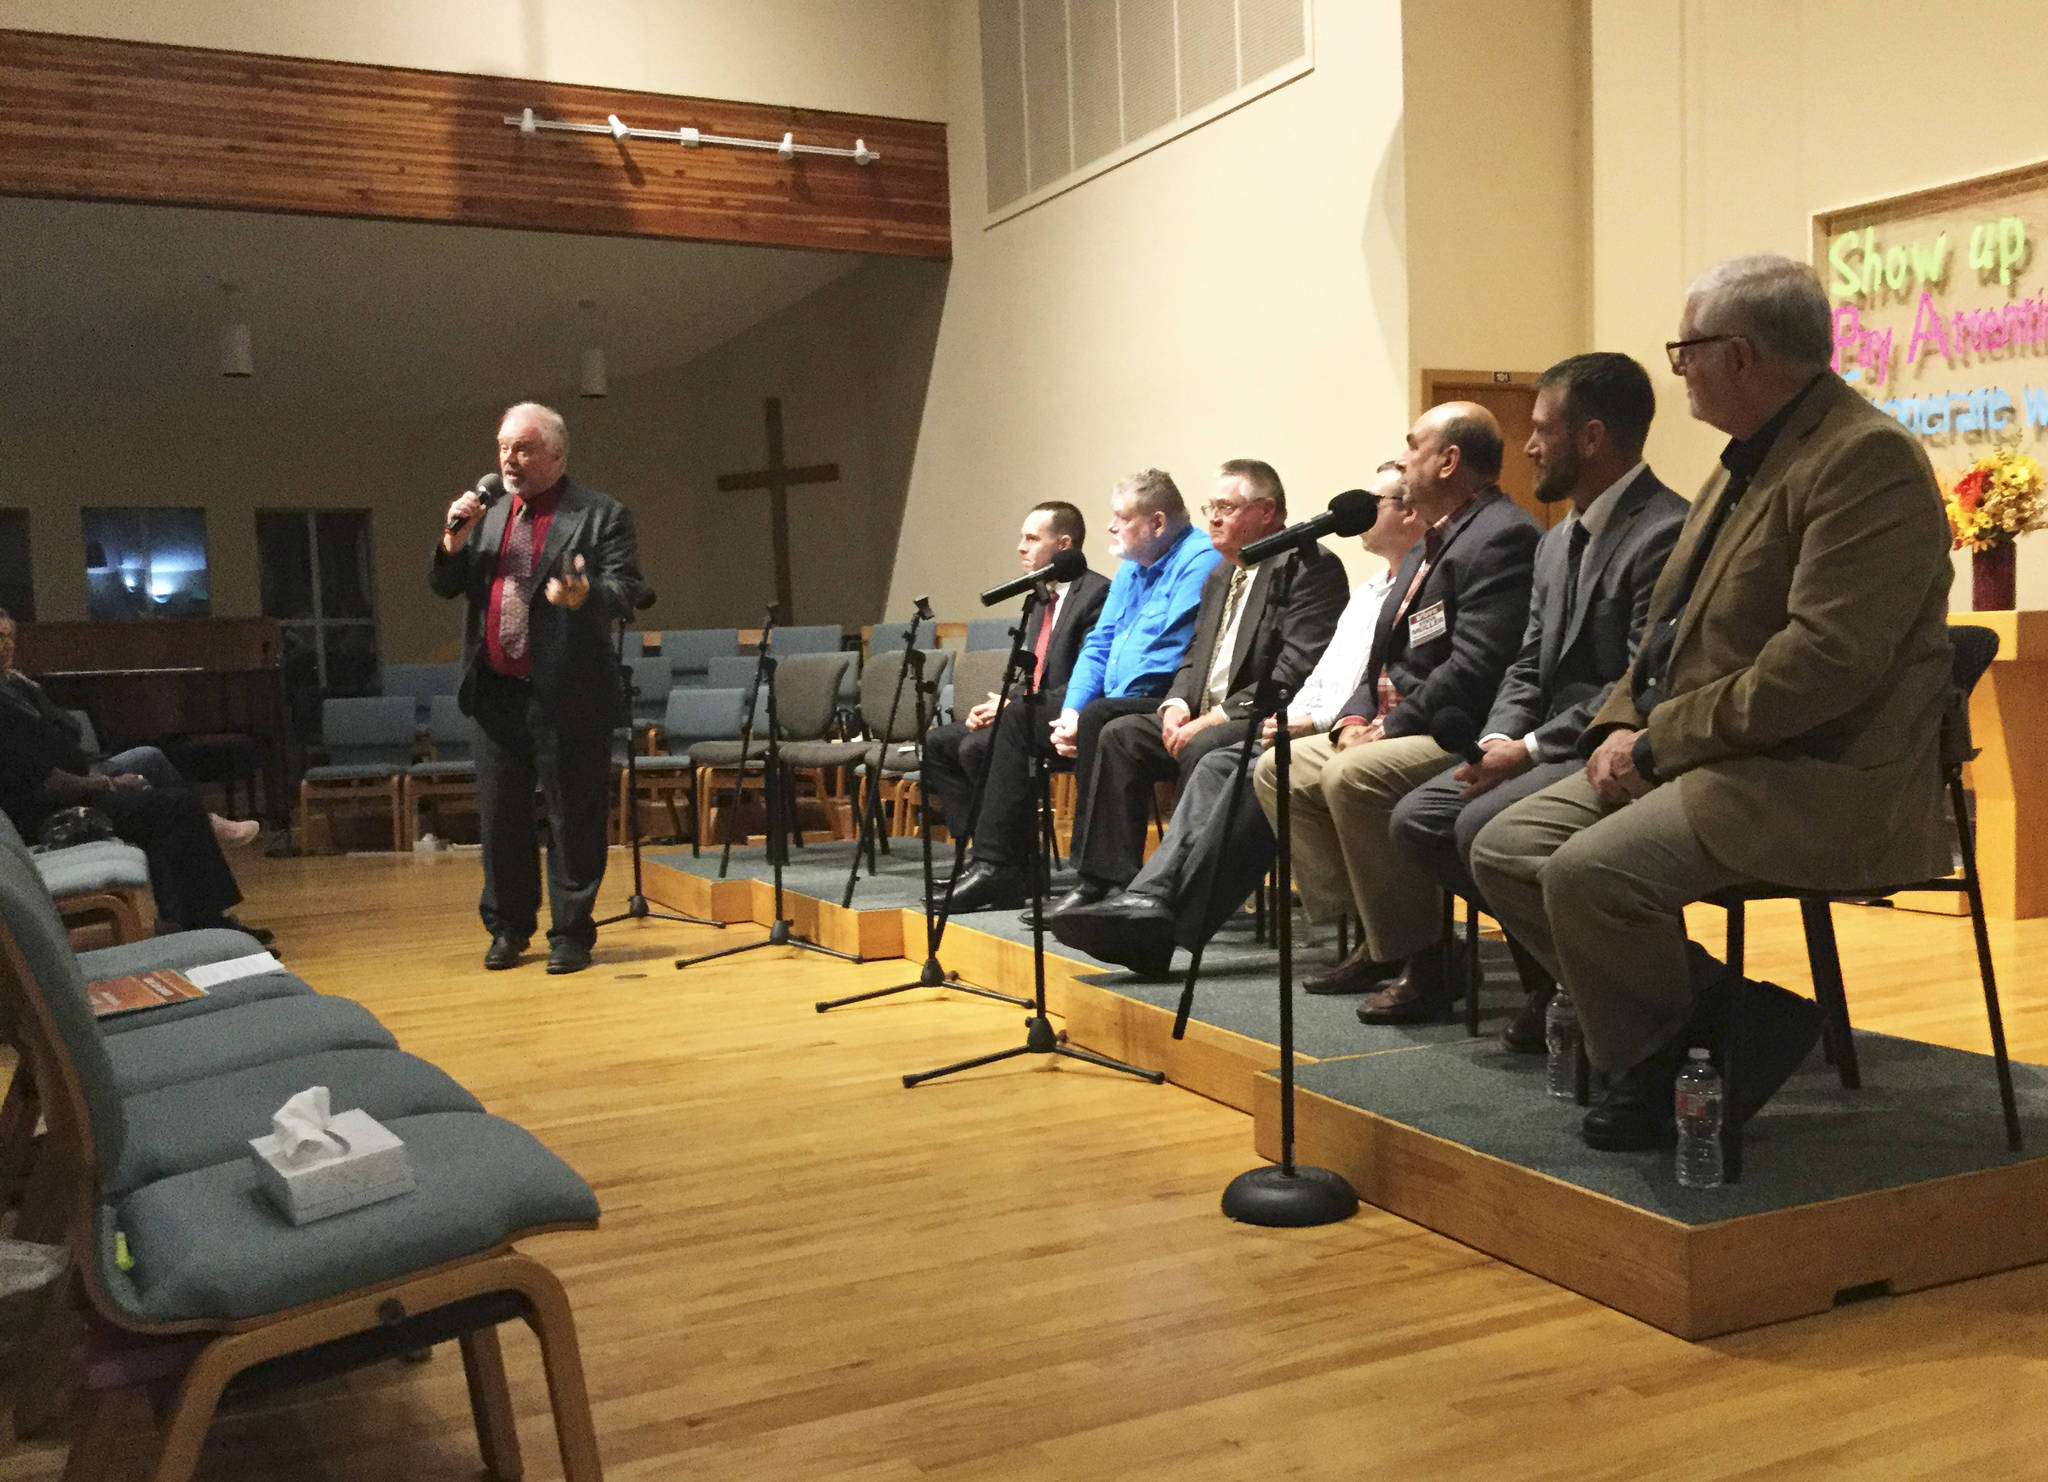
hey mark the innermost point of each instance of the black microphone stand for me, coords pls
(1283, 1194)
(636, 904)
(780, 932)
(871, 793)
(1040, 1038)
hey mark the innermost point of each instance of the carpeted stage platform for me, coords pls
(1904, 1183)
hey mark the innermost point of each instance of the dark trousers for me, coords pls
(519, 745)
(998, 759)
(1211, 857)
(187, 872)
(1124, 761)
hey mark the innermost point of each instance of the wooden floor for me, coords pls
(806, 1271)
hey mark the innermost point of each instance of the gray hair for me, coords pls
(1774, 302)
(1153, 492)
(553, 430)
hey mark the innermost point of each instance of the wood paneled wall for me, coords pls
(89, 119)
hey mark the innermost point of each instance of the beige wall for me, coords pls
(1721, 126)
(849, 363)
(863, 56)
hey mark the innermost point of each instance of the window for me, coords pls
(313, 566)
(145, 562)
(17, 572)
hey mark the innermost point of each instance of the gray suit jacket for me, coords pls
(1613, 605)
(1315, 602)
(575, 668)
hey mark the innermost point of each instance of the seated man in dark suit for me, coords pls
(44, 769)
(1594, 572)
(1134, 648)
(1454, 619)
(958, 757)
(1143, 742)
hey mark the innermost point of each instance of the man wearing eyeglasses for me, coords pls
(1781, 721)
(1127, 747)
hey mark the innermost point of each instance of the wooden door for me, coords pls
(1511, 397)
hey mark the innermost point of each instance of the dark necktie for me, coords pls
(517, 571)
(1574, 558)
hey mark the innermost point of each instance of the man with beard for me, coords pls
(1594, 572)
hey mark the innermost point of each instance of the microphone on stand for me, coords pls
(1456, 732)
(1064, 566)
(488, 490)
(1350, 513)
(645, 600)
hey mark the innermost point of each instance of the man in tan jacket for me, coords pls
(1780, 722)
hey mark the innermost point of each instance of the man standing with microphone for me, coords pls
(546, 570)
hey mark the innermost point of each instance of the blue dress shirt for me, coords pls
(1147, 622)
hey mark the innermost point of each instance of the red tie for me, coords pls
(1044, 641)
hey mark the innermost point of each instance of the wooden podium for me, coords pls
(2009, 723)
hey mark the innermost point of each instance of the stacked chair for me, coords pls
(672, 776)
(183, 1277)
(369, 745)
(449, 775)
(422, 682)
(689, 651)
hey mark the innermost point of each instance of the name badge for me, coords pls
(1427, 623)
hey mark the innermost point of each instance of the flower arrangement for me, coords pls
(1998, 499)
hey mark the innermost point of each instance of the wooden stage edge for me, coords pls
(1693, 1281)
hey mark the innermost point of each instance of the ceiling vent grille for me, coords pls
(1071, 88)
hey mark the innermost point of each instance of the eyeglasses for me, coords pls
(1219, 509)
(1675, 349)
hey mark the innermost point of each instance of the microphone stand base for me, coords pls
(1294, 1198)
(934, 975)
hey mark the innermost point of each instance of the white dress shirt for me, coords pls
(1342, 666)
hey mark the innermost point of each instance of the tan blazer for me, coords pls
(1809, 669)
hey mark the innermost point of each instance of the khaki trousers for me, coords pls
(1341, 804)
(1597, 893)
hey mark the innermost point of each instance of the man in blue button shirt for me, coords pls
(1131, 654)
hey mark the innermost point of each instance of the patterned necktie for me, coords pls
(1218, 684)
(516, 567)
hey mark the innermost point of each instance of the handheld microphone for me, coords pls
(488, 489)
(1455, 731)
(645, 600)
(1064, 566)
(1350, 513)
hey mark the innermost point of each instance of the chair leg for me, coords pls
(554, 1325)
(1473, 976)
(490, 1404)
(1737, 923)
(1973, 889)
(191, 1416)
(1825, 963)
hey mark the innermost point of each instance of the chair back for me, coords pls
(420, 682)
(975, 674)
(807, 694)
(887, 638)
(819, 638)
(878, 692)
(88, 738)
(983, 633)
(452, 733)
(690, 650)
(700, 715)
(652, 680)
(1971, 650)
(376, 729)
(729, 672)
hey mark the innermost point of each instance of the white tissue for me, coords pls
(301, 1127)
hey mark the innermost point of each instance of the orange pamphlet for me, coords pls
(140, 991)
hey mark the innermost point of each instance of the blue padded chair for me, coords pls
(670, 775)
(989, 633)
(449, 775)
(819, 638)
(369, 745)
(104, 883)
(255, 1291)
(421, 682)
(689, 651)
(807, 690)
(730, 672)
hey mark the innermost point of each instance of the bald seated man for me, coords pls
(1451, 624)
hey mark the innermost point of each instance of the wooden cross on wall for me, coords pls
(778, 478)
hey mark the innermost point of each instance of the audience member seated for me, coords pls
(1133, 650)
(1462, 602)
(1594, 572)
(1139, 743)
(1780, 722)
(960, 755)
(1177, 897)
(44, 768)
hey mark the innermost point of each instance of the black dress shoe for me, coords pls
(567, 957)
(1635, 1113)
(1130, 930)
(504, 952)
(1423, 993)
(1357, 973)
(988, 887)
(1773, 1033)
(1087, 893)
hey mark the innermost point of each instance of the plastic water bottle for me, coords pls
(1561, 1041)
(1697, 1102)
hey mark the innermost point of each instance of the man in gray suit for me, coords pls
(1594, 572)
(547, 571)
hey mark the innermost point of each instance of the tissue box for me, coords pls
(374, 1168)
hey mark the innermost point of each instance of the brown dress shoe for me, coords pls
(1525, 1034)
(1422, 994)
(1357, 973)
